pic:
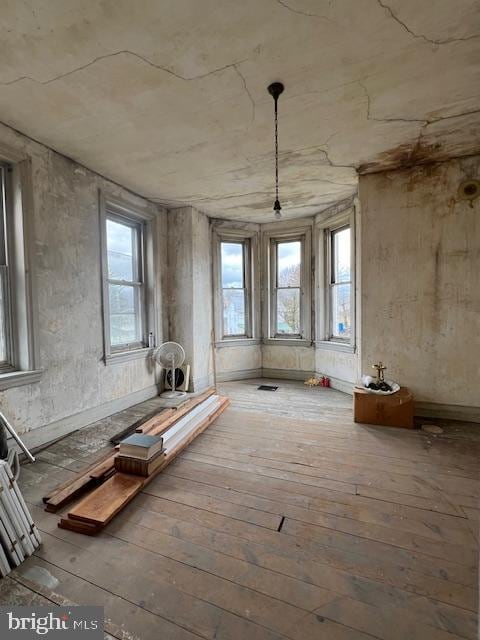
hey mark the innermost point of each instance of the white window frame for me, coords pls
(248, 237)
(245, 244)
(22, 365)
(271, 240)
(326, 230)
(7, 365)
(112, 208)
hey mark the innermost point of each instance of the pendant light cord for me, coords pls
(276, 149)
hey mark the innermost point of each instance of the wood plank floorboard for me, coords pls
(284, 520)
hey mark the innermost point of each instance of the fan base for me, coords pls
(173, 394)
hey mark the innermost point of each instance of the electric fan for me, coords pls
(170, 355)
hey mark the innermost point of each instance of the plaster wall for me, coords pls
(65, 230)
(339, 366)
(288, 360)
(234, 363)
(190, 290)
(420, 249)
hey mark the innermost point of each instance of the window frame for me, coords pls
(247, 234)
(24, 356)
(112, 208)
(247, 277)
(9, 364)
(287, 231)
(332, 283)
(274, 288)
(326, 228)
(137, 284)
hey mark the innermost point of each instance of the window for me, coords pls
(236, 288)
(125, 282)
(234, 278)
(287, 301)
(6, 346)
(340, 285)
(335, 281)
(288, 280)
(128, 259)
(19, 357)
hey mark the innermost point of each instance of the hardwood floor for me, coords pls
(283, 520)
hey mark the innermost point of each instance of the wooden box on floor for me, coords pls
(395, 410)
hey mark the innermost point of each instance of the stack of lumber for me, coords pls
(108, 490)
(19, 537)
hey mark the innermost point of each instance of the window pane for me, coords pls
(232, 265)
(288, 264)
(124, 317)
(341, 318)
(341, 255)
(234, 312)
(121, 239)
(288, 311)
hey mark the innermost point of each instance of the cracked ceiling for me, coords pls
(168, 98)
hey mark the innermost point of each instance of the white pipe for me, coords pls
(16, 437)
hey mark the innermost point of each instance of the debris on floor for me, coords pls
(432, 428)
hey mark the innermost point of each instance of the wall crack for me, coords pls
(128, 53)
(421, 36)
(282, 3)
(250, 97)
(424, 121)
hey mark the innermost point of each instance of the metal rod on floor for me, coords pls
(16, 437)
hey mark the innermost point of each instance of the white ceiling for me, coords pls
(169, 98)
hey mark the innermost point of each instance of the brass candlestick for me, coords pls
(380, 367)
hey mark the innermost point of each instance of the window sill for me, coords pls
(126, 356)
(288, 342)
(237, 342)
(19, 378)
(330, 345)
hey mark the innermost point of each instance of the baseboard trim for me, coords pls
(60, 428)
(339, 385)
(447, 411)
(282, 374)
(244, 374)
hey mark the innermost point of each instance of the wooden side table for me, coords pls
(395, 410)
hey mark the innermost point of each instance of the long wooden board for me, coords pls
(100, 506)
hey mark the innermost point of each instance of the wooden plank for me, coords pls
(157, 426)
(77, 476)
(78, 526)
(100, 506)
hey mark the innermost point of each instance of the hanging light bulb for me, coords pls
(275, 89)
